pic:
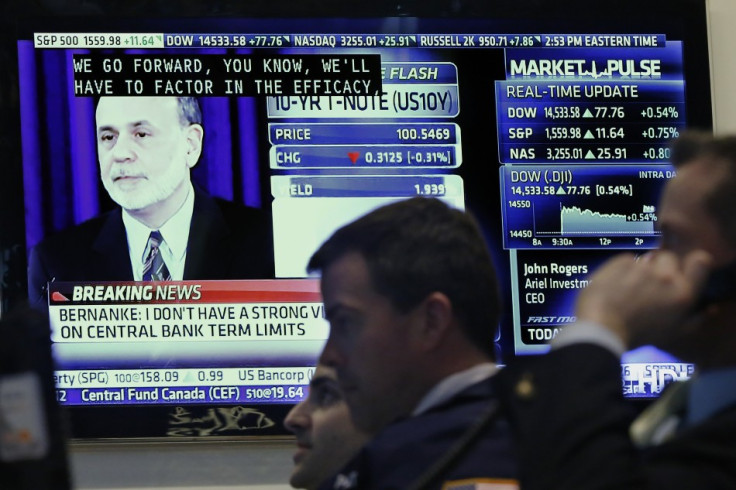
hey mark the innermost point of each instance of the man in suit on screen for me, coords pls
(165, 228)
(573, 425)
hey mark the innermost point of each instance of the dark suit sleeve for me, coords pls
(96, 250)
(571, 420)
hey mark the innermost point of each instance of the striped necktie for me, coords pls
(154, 269)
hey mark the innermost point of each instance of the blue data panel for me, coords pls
(588, 121)
(570, 206)
(401, 147)
(601, 133)
(609, 105)
(409, 90)
(357, 156)
(363, 133)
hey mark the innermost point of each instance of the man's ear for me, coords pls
(194, 135)
(436, 319)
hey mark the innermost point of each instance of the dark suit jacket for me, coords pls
(571, 423)
(226, 241)
(403, 451)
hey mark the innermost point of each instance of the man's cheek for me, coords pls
(105, 164)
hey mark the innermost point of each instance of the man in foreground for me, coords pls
(411, 297)
(326, 438)
(571, 420)
(165, 228)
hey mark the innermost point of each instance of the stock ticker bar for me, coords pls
(182, 386)
(263, 386)
(200, 40)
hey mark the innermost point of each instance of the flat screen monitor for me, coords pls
(550, 124)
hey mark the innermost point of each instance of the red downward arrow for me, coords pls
(353, 156)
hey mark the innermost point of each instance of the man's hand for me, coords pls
(643, 300)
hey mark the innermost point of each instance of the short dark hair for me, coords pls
(721, 150)
(189, 111)
(419, 246)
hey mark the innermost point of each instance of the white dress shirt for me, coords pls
(173, 248)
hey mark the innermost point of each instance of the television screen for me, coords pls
(552, 127)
